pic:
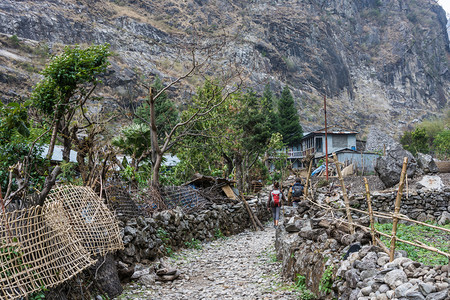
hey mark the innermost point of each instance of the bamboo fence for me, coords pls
(395, 216)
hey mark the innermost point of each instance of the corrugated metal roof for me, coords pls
(57, 153)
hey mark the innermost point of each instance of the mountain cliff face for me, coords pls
(382, 63)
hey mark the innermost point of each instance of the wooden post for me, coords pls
(344, 194)
(253, 217)
(397, 208)
(369, 206)
(305, 194)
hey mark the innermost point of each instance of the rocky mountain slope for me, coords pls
(382, 63)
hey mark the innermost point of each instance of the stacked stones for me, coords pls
(368, 275)
(421, 205)
(313, 242)
(146, 239)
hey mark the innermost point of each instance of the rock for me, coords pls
(352, 278)
(395, 278)
(426, 163)
(444, 218)
(414, 295)
(402, 289)
(431, 183)
(147, 280)
(389, 167)
(438, 296)
(426, 288)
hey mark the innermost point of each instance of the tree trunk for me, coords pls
(238, 164)
(51, 146)
(106, 276)
(67, 142)
(229, 163)
(157, 154)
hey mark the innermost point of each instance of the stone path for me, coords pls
(243, 266)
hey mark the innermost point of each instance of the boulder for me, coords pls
(431, 183)
(426, 163)
(389, 167)
(444, 218)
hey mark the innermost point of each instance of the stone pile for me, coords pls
(368, 275)
(147, 238)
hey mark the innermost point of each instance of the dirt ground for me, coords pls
(355, 184)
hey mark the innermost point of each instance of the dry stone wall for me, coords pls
(421, 205)
(146, 239)
(312, 243)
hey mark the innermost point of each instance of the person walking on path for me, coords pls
(275, 202)
(296, 191)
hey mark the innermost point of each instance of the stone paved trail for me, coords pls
(238, 267)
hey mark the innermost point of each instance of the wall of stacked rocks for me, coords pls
(148, 238)
(421, 205)
(311, 241)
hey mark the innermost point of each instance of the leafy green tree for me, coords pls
(202, 150)
(15, 148)
(69, 80)
(233, 138)
(442, 143)
(279, 157)
(416, 141)
(134, 142)
(289, 124)
(13, 118)
(252, 136)
(205, 103)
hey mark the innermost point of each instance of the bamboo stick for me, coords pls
(344, 193)
(397, 208)
(399, 216)
(421, 245)
(366, 229)
(369, 206)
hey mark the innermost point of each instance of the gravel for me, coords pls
(238, 267)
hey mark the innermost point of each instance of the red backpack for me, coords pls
(276, 195)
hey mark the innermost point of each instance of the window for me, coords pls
(319, 143)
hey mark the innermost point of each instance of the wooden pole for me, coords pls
(255, 221)
(305, 194)
(397, 208)
(326, 137)
(369, 205)
(344, 194)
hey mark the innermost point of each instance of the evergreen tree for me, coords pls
(268, 110)
(288, 119)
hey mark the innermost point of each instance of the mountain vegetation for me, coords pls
(218, 83)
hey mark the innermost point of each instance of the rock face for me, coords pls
(383, 62)
(389, 167)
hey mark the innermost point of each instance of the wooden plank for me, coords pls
(229, 192)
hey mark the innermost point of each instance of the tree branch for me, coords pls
(49, 183)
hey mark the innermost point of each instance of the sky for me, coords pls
(445, 4)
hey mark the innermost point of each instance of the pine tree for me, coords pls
(268, 110)
(288, 119)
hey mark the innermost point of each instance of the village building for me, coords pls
(341, 141)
